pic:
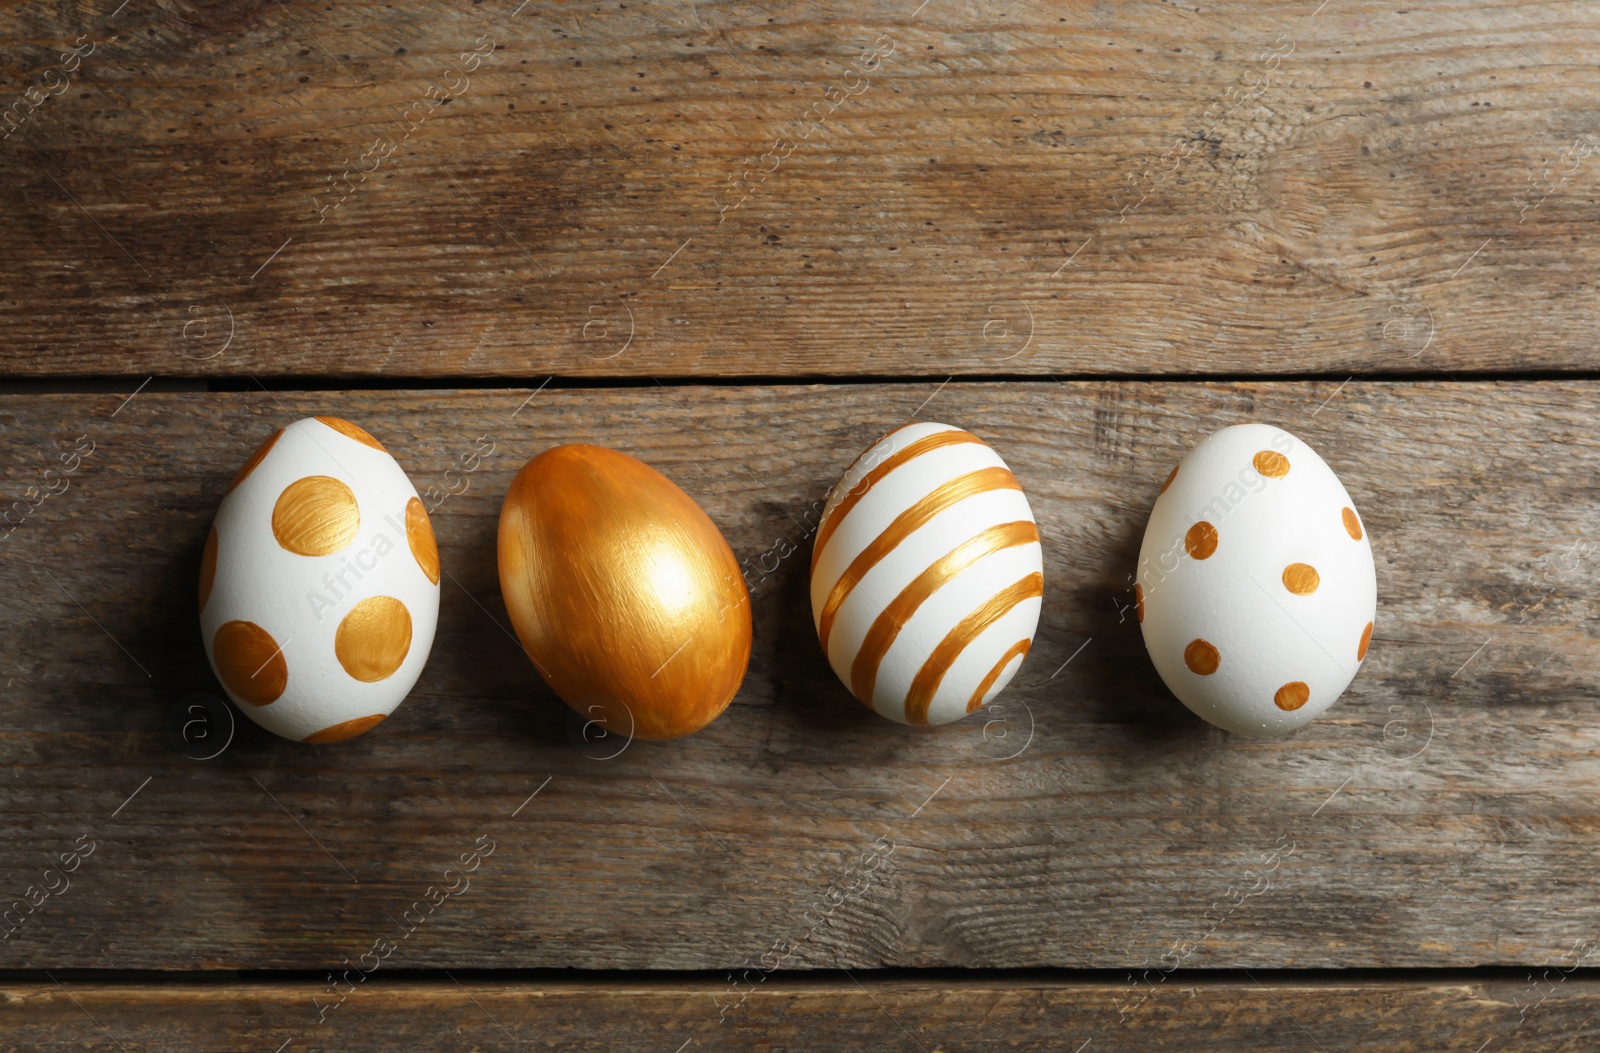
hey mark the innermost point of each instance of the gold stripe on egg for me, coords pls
(886, 627)
(928, 678)
(868, 481)
(906, 523)
(1019, 648)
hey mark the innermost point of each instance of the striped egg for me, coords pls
(319, 583)
(927, 577)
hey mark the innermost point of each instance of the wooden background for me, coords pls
(741, 242)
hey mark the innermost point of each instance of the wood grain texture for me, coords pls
(670, 188)
(1002, 1014)
(1442, 813)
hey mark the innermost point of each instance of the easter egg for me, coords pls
(319, 583)
(926, 575)
(1256, 591)
(623, 592)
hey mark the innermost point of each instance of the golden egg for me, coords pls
(623, 592)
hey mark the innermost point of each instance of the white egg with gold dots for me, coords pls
(927, 576)
(319, 583)
(1256, 589)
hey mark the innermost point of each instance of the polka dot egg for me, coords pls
(319, 583)
(1256, 589)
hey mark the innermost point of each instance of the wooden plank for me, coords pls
(673, 189)
(1443, 812)
(1557, 1015)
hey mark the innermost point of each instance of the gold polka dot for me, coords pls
(1138, 600)
(1171, 476)
(249, 662)
(1201, 657)
(1366, 641)
(419, 535)
(374, 638)
(315, 516)
(347, 730)
(208, 566)
(1301, 579)
(1201, 540)
(1352, 525)
(1292, 696)
(359, 434)
(255, 459)
(1271, 463)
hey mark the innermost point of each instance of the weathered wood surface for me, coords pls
(1442, 813)
(678, 188)
(1554, 1015)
